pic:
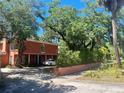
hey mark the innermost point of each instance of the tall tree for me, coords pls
(114, 6)
(77, 31)
(4, 24)
(21, 22)
(49, 36)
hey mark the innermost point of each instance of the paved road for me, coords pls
(89, 86)
(33, 80)
(83, 87)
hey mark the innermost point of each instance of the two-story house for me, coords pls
(35, 52)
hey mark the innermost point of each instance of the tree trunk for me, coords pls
(20, 52)
(19, 57)
(115, 43)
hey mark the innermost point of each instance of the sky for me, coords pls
(74, 3)
(78, 4)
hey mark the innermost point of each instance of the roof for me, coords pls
(41, 42)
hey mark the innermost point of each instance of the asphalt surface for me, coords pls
(36, 80)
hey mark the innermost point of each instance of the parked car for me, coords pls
(50, 62)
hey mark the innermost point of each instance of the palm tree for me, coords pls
(113, 6)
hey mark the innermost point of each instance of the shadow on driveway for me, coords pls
(22, 85)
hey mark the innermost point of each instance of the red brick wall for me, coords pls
(51, 49)
(73, 69)
(31, 47)
(5, 58)
(35, 47)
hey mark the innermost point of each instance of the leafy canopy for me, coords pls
(18, 17)
(77, 31)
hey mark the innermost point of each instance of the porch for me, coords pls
(34, 59)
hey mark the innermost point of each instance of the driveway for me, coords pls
(32, 80)
(38, 80)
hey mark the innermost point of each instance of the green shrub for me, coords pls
(86, 56)
(96, 55)
(92, 74)
(67, 57)
(102, 54)
(105, 71)
(122, 64)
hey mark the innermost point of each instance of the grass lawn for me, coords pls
(106, 73)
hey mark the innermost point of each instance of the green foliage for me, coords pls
(86, 56)
(121, 31)
(84, 36)
(106, 70)
(20, 18)
(111, 51)
(54, 3)
(122, 64)
(49, 36)
(21, 22)
(79, 32)
(92, 74)
(67, 57)
(104, 53)
(97, 55)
